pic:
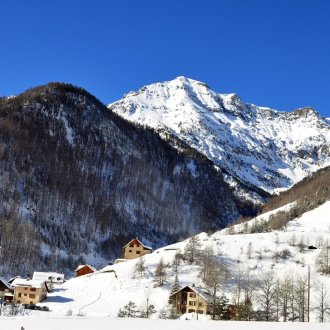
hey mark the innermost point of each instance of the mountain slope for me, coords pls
(254, 146)
(308, 193)
(248, 257)
(78, 182)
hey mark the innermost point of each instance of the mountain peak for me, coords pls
(188, 81)
(254, 145)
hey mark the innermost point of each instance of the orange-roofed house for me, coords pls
(84, 270)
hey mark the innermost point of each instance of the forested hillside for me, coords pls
(78, 182)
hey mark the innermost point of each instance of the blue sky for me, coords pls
(271, 52)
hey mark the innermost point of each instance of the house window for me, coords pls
(192, 295)
(192, 303)
(18, 301)
(25, 288)
(200, 311)
(33, 289)
(200, 304)
(191, 310)
(31, 302)
(129, 250)
(138, 252)
(32, 295)
(19, 295)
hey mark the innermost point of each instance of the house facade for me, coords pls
(190, 300)
(135, 249)
(29, 291)
(84, 270)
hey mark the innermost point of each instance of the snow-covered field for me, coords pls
(137, 324)
(94, 299)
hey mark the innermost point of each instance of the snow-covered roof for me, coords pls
(48, 276)
(136, 239)
(31, 283)
(13, 279)
(8, 294)
(5, 283)
(89, 266)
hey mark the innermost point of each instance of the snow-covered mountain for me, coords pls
(257, 146)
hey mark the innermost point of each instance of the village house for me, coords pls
(135, 249)
(190, 300)
(84, 270)
(6, 291)
(28, 291)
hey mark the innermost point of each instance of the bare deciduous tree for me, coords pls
(323, 306)
(160, 273)
(323, 259)
(267, 295)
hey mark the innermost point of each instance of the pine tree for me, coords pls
(140, 268)
(169, 312)
(221, 311)
(129, 310)
(176, 284)
(192, 249)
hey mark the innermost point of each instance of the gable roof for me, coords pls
(13, 279)
(48, 276)
(82, 266)
(136, 239)
(31, 283)
(5, 283)
(200, 291)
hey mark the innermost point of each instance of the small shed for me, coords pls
(84, 270)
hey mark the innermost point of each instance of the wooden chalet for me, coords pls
(6, 291)
(28, 291)
(135, 249)
(84, 270)
(191, 300)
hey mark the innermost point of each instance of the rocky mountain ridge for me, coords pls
(254, 146)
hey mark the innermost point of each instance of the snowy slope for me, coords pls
(254, 145)
(37, 323)
(101, 294)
